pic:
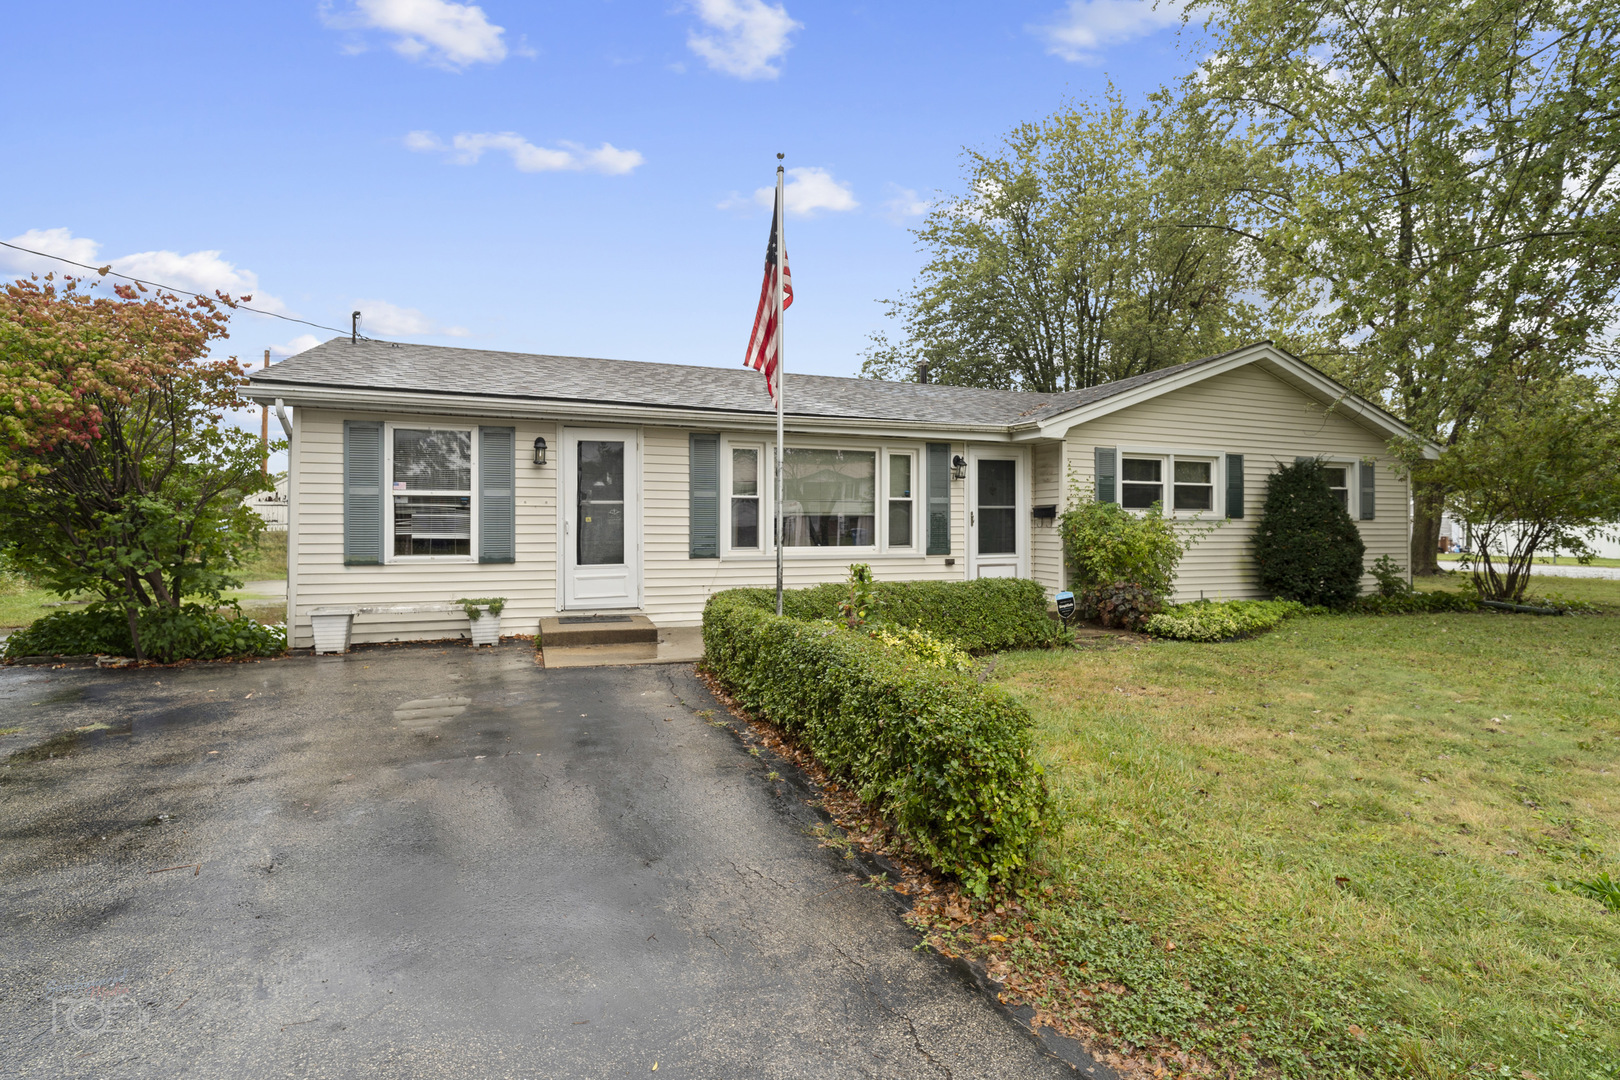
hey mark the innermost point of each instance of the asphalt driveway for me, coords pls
(419, 862)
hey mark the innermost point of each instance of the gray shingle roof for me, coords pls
(438, 369)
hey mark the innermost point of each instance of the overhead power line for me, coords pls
(170, 288)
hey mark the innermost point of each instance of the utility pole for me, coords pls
(264, 428)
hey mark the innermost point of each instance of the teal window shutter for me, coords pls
(1369, 494)
(939, 498)
(1107, 472)
(1234, 485)
(704, 494)
(497, 497)
(362, 493)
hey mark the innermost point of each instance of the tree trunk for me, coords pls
(135, 632)
(1427, 505)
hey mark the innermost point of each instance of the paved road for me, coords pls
(540, 874)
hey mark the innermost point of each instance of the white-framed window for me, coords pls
(432, 478)
(860, 498)
(745, 482)
(1338, 475)
(829, 497)
(1194, 487)
(1141, 481)
(902, 499)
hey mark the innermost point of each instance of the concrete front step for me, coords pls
(571, 631)
(675, 645)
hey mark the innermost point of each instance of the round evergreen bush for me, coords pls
(1307, 547)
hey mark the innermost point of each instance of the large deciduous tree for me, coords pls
(119, 475)
(1450, 203)
(1064, 263)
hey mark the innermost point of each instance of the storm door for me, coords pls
(996, 534)
(601, 534)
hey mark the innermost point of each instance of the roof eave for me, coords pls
(489, 405)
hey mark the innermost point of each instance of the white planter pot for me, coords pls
(486, 629)
(331, 632)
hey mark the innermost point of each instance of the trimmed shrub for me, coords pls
(1307, 547)
(191, 632)
(1103, 543)
(1211, 620)
(1121, 605)
(988, 615)
(945, 758)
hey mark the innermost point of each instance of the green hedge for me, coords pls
(191, 632)
(988, 615)
(947, 759)
(1209, 620)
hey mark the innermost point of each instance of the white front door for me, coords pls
(600, 509)
(996, 511)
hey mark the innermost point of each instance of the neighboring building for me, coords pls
(271, 506)
(1456, 536)
(413, 479)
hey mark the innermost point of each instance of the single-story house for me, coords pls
(421, 474)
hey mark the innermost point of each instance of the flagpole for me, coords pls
(781, 370)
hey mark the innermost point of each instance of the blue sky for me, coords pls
(565, 178)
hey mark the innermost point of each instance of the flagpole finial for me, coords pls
(779, 157)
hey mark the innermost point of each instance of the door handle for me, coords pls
(972, 518)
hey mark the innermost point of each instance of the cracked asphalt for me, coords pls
(426, 862)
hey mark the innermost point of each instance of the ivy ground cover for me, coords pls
(1340, 849)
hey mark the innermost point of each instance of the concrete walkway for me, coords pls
(440, 862)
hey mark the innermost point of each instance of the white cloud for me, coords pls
(809, 191)
(442, 33)
(80, 249)
(467, 147)
(905, 204)
(1088, 26)
(748, 36)
(391, 320)
(200, 271)
(295, 346)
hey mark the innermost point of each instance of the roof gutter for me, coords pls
(327, 397)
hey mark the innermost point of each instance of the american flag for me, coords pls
(765, 346)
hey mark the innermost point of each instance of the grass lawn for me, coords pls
(1332, 850)
(270, 562)
(1599, 592)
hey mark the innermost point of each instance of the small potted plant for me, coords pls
(485, 614)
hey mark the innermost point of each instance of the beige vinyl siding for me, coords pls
(527, 584)
(674, 586)
(1045, 539)
(1250, 412)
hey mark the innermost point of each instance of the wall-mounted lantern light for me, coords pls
(959, 467)
(539, 451)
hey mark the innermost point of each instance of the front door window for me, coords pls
(601, 503)
(998, 507)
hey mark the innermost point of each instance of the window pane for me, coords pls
(432, 460)
(1147, 470)
(899, 522)
(1343, 495)
(601, 535)
(997, 531)
(1140, 496)
(1194, 496)
(745, 523)
(998, 483)
(600, 513)
(828, 498)
(432, 525)
(745, 472)
(601, 471)
(900, 476)
(1192, 472)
